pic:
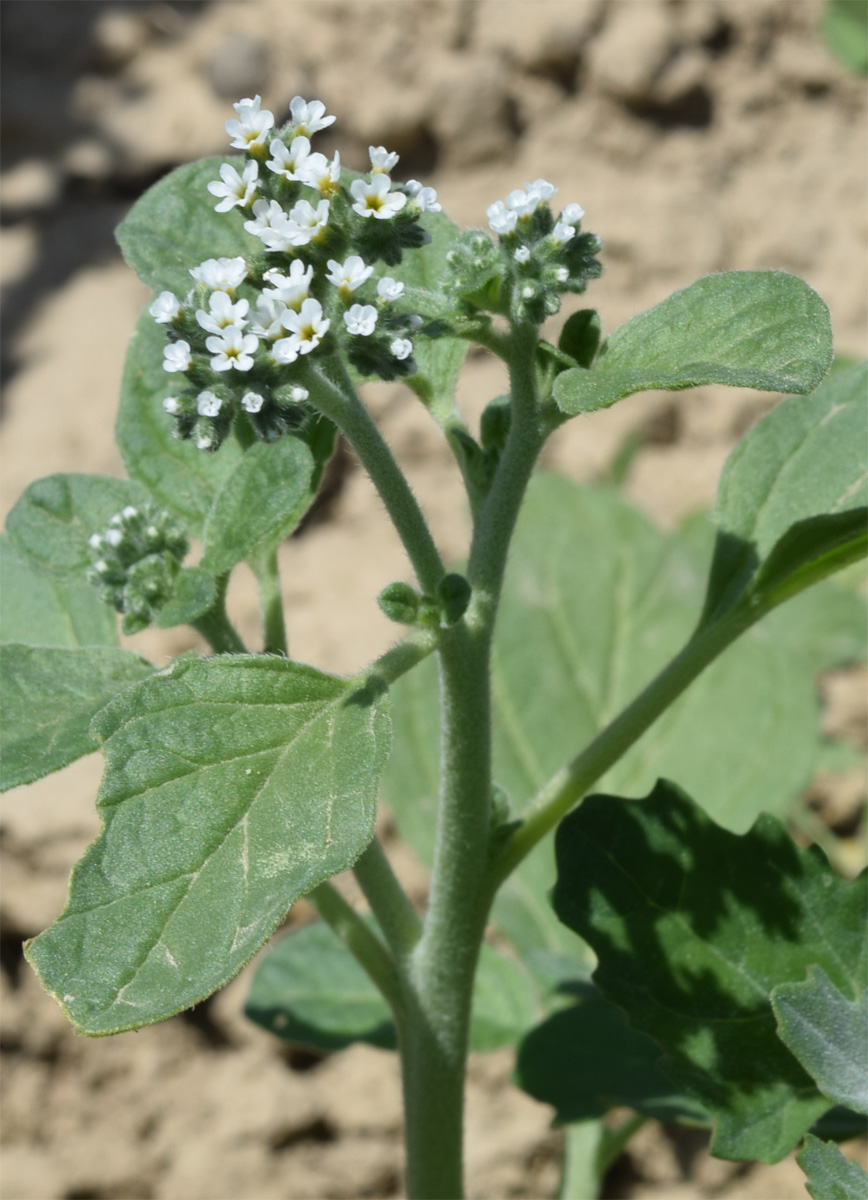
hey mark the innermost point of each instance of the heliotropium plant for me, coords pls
(606, 654)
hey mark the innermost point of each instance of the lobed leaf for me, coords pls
(40, 610)
(49, 695)
(830, 1175)
(756, 329)
(233, 785)
(693, 928)
(828, 1034)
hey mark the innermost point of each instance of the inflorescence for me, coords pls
(244, 336)
(135, 563)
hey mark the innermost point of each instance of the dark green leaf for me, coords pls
(174, 226)
(791, 506)
(182, 478)
(49, 695)
(41, 610)
(828, 1034)
(309, 989)
(756, 329)
(53, 519)
(262, 500)
(585, 1060)
(830, 1175)
(580, 336)
(233, 786)
(193, 594)
(693, 928)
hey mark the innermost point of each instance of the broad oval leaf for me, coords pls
(828, 1033)
(233, 785)
(755, 329)
(37, 609)
(792, 505)
(830, 1175)
(309, 989)
(49, 696)
(262, 500)
(182, 478)
(174, 226)
(53, 519)
(693, 928)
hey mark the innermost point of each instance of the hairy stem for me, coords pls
(216, 627)
(360, 940)
(268, 577)
(399, 921)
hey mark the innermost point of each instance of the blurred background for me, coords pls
(699, 135)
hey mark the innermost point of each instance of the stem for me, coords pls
(267, 575)
(216, 627)
(389, 902)
(341, 404)
(360, 940)
(562, 791)
(582, 1176)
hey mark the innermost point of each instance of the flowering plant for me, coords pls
(239, 782)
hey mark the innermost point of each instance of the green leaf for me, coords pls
(755, 329)
(580, 336)
(49, 695)
(53, 519)
(309, 989)
(828, 1034)
(40, 610)
(792, 505)
(182, 478)
(193, 594)
(693, 928)
(262, 500)
(845, 28)
(830, 1175)
(585, 1060)
(233, 785)
(174, 226)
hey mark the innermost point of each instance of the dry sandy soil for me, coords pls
(699, 135)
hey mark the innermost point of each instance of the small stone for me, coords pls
(88, 159)
(118, 35)
(31, 186)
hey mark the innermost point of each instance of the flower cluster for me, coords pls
(538, 257)
(135, 561)
(242, 338)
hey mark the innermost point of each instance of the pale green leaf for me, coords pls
(194, 592)
(755, 329)
(40, 610)
(233, 785)
(830, 1175)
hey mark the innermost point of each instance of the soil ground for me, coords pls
(699, 135)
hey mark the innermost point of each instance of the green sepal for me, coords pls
(580, 336)
(453, 597)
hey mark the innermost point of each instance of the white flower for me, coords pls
(308, 117)
(522, 254)
(223, 313)
(252, 402)
(298, 393)
(114, 537)
(425, 198)
(307, 327)
(208, 404)
(252, 126)
(129, 512)
(290, 289)
(374, 199)
(382, 160)
(389, 288)
(232, 348)
(562, 233)
(289, 162)
(572, 214)
(170, 405)
(165, 308)
(286, 350)
(101, 567)
(177, 357)
(401, 348)
(272, 225)
(522, 203)
(267, 320)
(94, 541)
(501, 220)
(307, 222)
(221, 274)
(204, 439)
(349, 275)
(236, 190)
(317, 172)
(543, 189)
(562, 274)
(360, 319)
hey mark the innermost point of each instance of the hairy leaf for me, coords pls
(174, 226)
(830, 1175)
(756, 329)
(262, 500)
(41, 610)
(233, 785)
(693, 928)
(49, 695)
(309, 989)
(828, 1034)
(194, 592)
